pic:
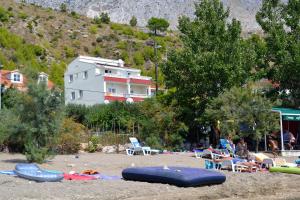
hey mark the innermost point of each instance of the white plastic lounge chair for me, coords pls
(137, 148)
(229, 164)
(269, 162)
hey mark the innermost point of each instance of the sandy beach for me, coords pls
(259, 185)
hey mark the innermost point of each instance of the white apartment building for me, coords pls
(90, 81)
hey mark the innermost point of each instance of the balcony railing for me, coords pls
(127, 95)
(125, 76)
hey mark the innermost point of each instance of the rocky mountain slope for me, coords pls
(122, 10)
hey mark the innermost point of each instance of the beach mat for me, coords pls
(8, 172)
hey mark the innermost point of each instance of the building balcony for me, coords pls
(125, 97)
(142, 80)
(115, 78)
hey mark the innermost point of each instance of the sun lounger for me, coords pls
(276, 162)
(137, 148)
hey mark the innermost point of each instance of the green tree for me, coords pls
(40, 114)
(63, 7)
(243, 107)
(157, 24)
(214, 57)
(104, 18)
(281, 24)
(133, 21)
(8, 124)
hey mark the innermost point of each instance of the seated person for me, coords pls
(231, 144)
(289, 139)
(242, 149)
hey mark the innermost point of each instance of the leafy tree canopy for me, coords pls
(133, 21)
(214, 57)
(281, 24)
(157, 24)
(243, 112)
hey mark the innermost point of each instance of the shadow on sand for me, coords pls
(15, 161)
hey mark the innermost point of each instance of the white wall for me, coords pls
(92, 87)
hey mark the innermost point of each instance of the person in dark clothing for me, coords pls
(242, 149)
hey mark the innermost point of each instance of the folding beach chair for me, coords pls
(137, 148)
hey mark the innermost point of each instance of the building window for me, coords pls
(17, 78)
(128, 73)
(112, 90)
(107, 71)
(43, 78)
(85, 74)
(80, 94)
(72, 95)
(71, 78)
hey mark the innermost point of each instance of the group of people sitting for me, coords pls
(238, 153)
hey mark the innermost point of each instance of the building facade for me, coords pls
(15, 79)
(90, 81)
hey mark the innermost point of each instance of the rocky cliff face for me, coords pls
(122, 10)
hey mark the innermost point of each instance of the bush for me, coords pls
(122, 45)
(69, 52)
(104, 18)
(93, 29)
(127, 31)
(4, 15)
(138, 58)
(141, 35)
(117, 27)
(22, 15)
(93, 144)
(133, 21)
(99, 39)
(63, 7)
(148, 53)
(71, 135)
(35, 154)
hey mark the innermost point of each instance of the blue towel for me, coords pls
(8, 172)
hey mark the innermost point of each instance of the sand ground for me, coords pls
(259, 185)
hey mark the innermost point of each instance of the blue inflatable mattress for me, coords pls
(33, 172)
(179, 176)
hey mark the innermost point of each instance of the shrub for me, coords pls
(69, 52)
(71, 135)
(122, 45)
(74, 15)
(148, 53)
(127, 31)
(4, 16)
(141, 35)
(138, 58)
(133, 21)
(117, 27)
(99, 39)
(93, 29)
(97, 20)
(97, 52)
(113, 37)
(93, 144)
(22, 15)
(124, 56)
(63, 7)
(104, 18)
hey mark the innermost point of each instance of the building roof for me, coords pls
(106, 62)
(5, 80)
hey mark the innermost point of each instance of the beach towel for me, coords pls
(78, 177)
(8, 172)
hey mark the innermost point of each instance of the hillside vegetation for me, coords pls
(39, 39)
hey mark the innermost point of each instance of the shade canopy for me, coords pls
(288, 114)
